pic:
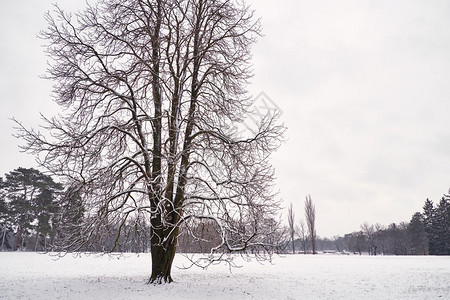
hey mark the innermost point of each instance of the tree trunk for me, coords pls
(22, 247)
(18, 238)
(163, 255)
(37, 241)
(3, 238)
(162, 259)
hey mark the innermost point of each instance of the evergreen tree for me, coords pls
(3, 208)
(4, 224)
(430, 226)
(436, 220)
(441, 227)
(447, 214)
(30, 197)
(417, 236)
(45, 207)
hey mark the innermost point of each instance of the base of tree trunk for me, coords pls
(162, 259)
(160, 279)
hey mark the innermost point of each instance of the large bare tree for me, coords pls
(310, 215)
(152, 93)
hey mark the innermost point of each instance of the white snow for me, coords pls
(40, 276)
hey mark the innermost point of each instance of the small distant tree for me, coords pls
(310, 215)
(337, 242)
(380, 238)
(291, 220)
(357, 242)
(405, 247)
(369, 231)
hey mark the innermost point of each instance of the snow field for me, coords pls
(40, 276)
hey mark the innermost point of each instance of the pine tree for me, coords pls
(447, 217)
(441, 227)
(4, 220)
(30, 197)
(3, 208)
(417, 235)
(45, 207)
(430, 226)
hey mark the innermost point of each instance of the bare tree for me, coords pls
(302, 233)
(337, 242)
(291, 220)
(310, 215)
(380, 237)
(370, 232)
(151, 92)
(357, 242)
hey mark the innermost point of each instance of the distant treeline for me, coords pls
(428, 232)
(36, 213)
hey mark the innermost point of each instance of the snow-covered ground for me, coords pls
(39, 276)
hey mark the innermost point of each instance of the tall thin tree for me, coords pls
(291, 221)
(310, 215)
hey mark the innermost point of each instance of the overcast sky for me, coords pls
(364, 87)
